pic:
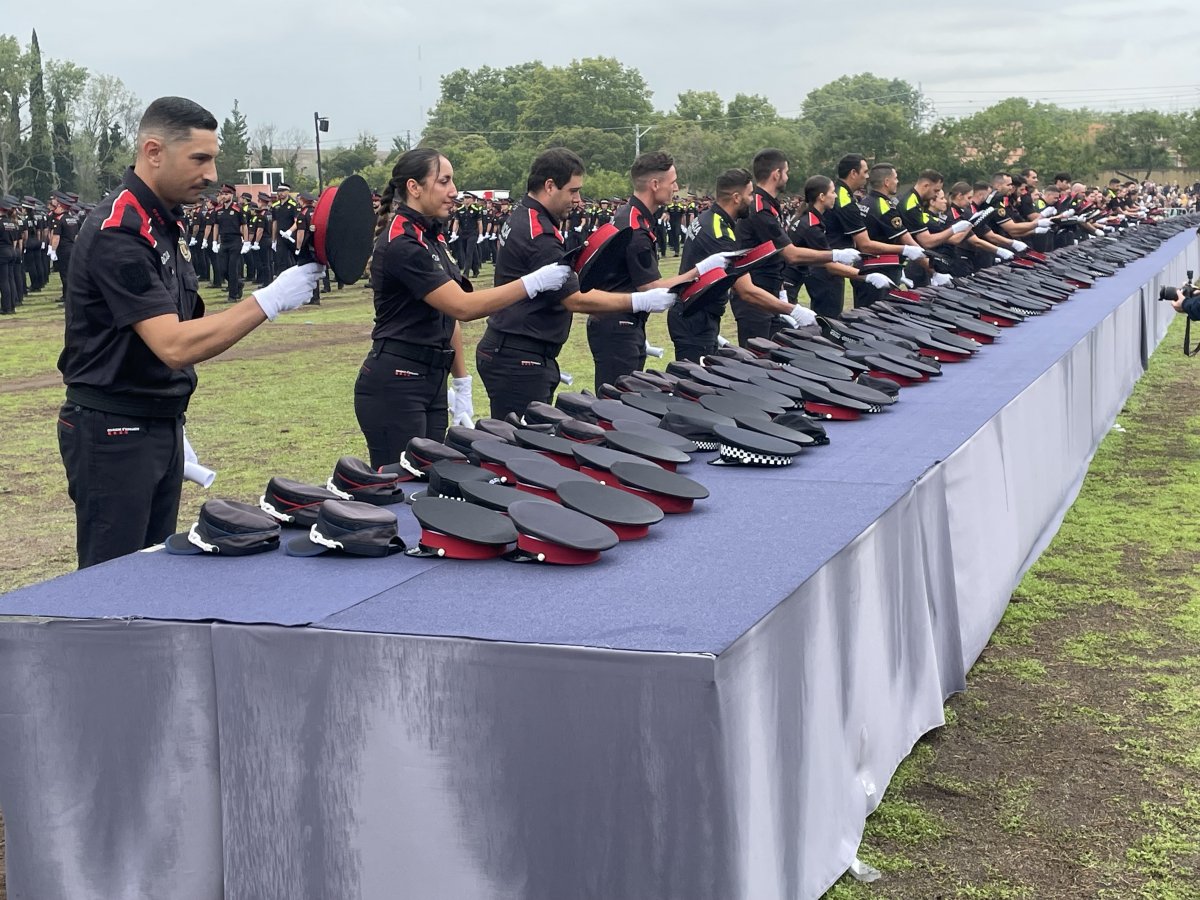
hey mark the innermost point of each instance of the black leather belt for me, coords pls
(128, 404)
(520, 342)
(431, 356)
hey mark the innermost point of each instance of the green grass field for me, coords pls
(1069, 769)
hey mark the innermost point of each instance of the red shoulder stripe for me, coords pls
(397, 229)
(535, 227)
(813, 219)
(125, 200)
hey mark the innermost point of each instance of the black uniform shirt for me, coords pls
(712, 232)
(33, 233)
(764, 224)
(884, 222)
(10, 235)
(265, 218)
(844, 220)
(409, 263)
(468, 220)
(66, 226)
(809, 232)
(130, 264)
(284, 212)
(528, 241)
(1000, 204)
(912, 213)
(641, 258)
(229, 220)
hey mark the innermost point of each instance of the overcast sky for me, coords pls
(375, 66)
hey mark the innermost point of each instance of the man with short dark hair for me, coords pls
(764, 223)
(283, 228)
(135, 327)
(618, 339)
(517, 357)
(228, 240)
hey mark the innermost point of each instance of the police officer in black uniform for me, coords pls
(135, 326)
(305, 252)
(763, 223)
(261, 243)
(63, 234)
(229, 237)
(420, 295)
(35, 252)
(517, 355)
(283, 228)
(10, 255)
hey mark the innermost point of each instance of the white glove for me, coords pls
(291, 290)
(1019, 246)
(296, 252)
(879, 280)
(1004, 254)
(192, 242)
(1043, 226)
(801, 315)
(245, 247)
(905, 282)
(479, 240)
(653, 300)
(255, 246)
(216, 245)
(52, 253)
(547, 278)
(462, 406)
(492, 236)
(453, 238)
(656, 352)
(273, 243)
(204, 246)
(960, 226)
(288, 236)
(1049, 211)
(192, 470)
(912, 251)
(716, 261)
(579, 228)
(940, 279)
(847, 257)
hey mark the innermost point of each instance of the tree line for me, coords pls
(66, 128)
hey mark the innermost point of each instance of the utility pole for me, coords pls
(320, 123)
(638, 134)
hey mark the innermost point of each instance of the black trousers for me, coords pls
(199, 261)
(695, 335)
(285, 256)
(396, 400)
(676, 228)
(515, 378)
(826, 293)
(10, 267)
(618, 345)
(265, 263)
(33, 268)
(229, 265)
(753, 322)
(865, 295)
(64, 269)
(124, 475)
(470, 254)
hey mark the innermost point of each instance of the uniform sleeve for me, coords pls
(890, 225)
(810, 237)
(125, 270)
(913, 218)
(641, 260)
(411, 264)
(1001, 215)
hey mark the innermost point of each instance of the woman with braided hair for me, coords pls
(420, 297)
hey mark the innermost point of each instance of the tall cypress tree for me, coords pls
(64, 163)
(41, 159)
(234, 139)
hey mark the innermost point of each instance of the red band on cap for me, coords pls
(604, 423)
(556, 553)
(888, 259)
(975, 336)
(943, 355)
(892, 376)
(629, 532)
(599, 474)
(997, 321)
(563, 459)
(459, 548)
(830, 411)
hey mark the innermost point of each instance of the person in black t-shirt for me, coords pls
(228, 239)
(10, 256)
(517, 355)
(420, 296)
(62, 239)
(765, 224)
(135, 327)
(618, 339)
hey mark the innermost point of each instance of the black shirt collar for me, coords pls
(425, 223)
(719, 210)
(160, 215)
(641, 207)
(768, 198)
(537, 207)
